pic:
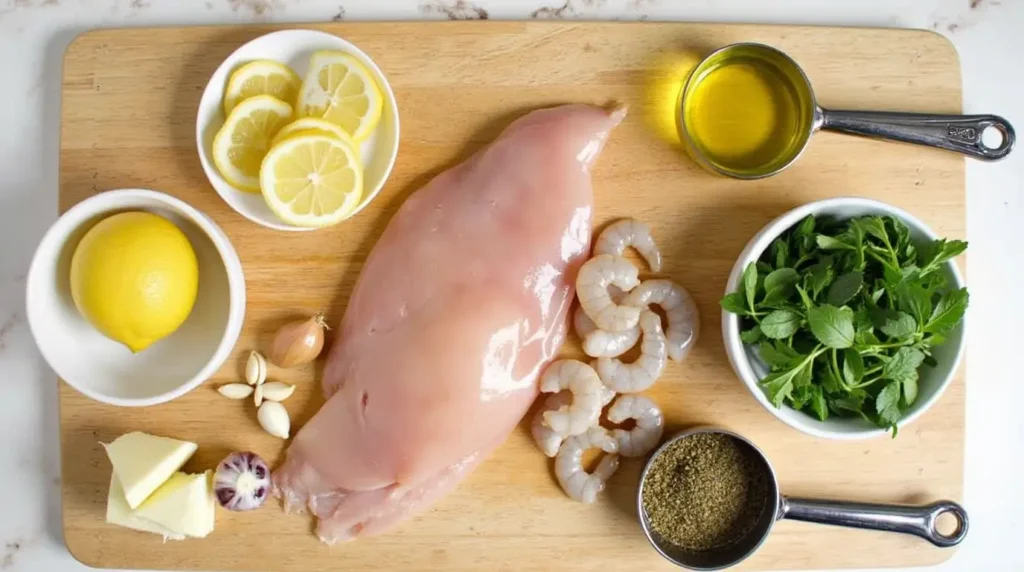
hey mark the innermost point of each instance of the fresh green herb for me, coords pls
(845, 313)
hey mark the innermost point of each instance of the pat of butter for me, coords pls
(119, 513)
(143, 462)
(184, 504)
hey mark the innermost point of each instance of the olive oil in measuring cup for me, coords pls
(748, 111)
(743, 114)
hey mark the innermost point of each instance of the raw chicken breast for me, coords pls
(461, 303)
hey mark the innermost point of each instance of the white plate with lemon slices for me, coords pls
(297, 130)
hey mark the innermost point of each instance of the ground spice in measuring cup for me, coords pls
(705, 491)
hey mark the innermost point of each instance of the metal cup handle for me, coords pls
(960, 133)
(916, 520)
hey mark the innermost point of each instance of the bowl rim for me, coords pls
(215, 179)
(109, 201)
(735, 348)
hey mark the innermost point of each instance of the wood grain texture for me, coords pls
(129, 104)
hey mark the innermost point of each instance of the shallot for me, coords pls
(299, 342)
(242, 481)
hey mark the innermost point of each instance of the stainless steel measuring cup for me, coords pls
(917, 520)
(959, 133)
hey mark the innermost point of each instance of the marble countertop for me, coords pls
(34, 34)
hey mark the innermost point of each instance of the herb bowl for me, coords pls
(750, 368)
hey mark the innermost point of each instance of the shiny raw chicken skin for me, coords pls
(461, 303)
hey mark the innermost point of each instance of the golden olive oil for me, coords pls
(744, 114)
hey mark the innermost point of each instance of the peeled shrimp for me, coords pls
(650, 424)
(592, 283)
(576, 482)
(641, 374)
(625, 233)
(548, 441)
(588, 394)
(599, 343)
(680, 309)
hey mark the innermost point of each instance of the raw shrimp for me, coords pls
(650, 424)
(587, 393)
(576, 482)
(680, 309)
(592, 283)
(599, 343)
(548, 441)
(641, 374)
(625, 233)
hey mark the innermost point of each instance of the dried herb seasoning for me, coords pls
(705, 491)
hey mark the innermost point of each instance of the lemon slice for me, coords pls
(341, 90)
(308, 125)
(241, 144)
(261, 77)
(312, 180)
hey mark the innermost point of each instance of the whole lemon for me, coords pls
(134, 276)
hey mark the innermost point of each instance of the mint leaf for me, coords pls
(901, 232)
(780, 252)
(734, 303)
(909, 389)
(806, 227)
(804, 298)
(819, 276)
(750, 284)
(751, 336)
(948, 312)
(887, 404)
(830, 382)
(779, 355)
(875, 227)
(940, 251)
(845, 288)
(866, 338)
(913, 299)
(829, 243)
(818, 403)
(780, 324)
(832, 326)
(853, 366)
(804, 376)
(783, 279)
(902, 364)
(897, 325)
(779, 387)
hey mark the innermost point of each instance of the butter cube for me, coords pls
(119, 513)
(143, 462)
(185, 504)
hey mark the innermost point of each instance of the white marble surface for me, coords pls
(989, 35)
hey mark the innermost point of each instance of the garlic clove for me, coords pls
(258, 395)
(255, 369)
(273, 417)
(276, 391)
(235, 390)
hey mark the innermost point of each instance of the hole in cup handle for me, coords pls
(934, 535)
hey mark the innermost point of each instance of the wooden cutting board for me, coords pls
(129, 106)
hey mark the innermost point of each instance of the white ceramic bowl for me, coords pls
(104, 369)
(750, 368)
(294, 48)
